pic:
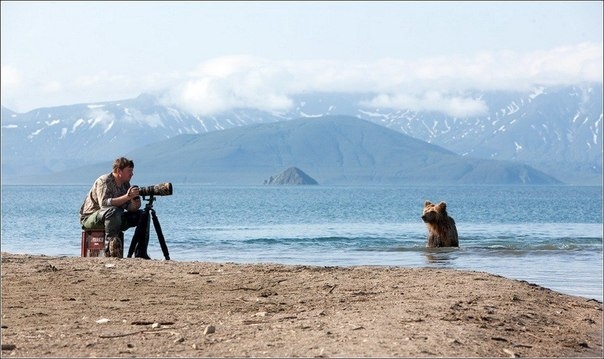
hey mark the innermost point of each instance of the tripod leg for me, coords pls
(140, 240)
(160, 236)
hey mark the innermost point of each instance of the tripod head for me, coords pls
(149, 204)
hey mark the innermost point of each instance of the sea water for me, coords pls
(547, 235)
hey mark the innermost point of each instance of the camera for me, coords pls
(162, 189)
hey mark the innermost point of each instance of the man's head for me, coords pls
(123, 169)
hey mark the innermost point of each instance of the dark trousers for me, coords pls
(112, 219)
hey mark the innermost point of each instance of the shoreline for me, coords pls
(547, 279)
(75, 307)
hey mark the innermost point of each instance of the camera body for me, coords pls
(161, 189)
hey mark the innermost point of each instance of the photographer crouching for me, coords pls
(113, 204)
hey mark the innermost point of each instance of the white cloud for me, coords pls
(431, 101)
(432, 84)
(566, 64)
(231, 82)
(51, 87)
(11, 81)
(10, 77)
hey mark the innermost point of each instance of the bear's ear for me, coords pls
(427, 203)
(442, 206)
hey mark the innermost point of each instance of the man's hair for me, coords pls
(121, 163)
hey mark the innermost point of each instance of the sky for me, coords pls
(207, 56)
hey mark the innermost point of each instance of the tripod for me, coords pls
(140, 240)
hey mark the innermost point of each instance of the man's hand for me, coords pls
(134, 204)
(133, 192)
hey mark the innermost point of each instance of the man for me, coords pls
(112, 204)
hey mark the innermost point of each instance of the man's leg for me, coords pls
(140, 220)
(131, 219)
(109, 218)
(113, 224)
(94, 221)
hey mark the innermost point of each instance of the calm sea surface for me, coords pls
(547, 235)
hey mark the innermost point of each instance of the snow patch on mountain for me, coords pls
(80, 122)
(538, 91)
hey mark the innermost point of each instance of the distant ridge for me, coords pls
(291, 176)
(337, 150)
(557, 129)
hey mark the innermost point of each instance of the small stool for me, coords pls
(93, 242)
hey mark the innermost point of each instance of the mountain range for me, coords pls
(557, 131)
(334, 150)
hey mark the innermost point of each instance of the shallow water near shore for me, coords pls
(547, 235)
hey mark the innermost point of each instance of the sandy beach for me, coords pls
(106, 307)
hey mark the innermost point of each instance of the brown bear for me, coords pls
(442, 231)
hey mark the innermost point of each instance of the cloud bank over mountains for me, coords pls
(440, 84)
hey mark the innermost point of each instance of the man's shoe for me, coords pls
(115, 247)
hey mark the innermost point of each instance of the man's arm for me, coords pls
(123, 199)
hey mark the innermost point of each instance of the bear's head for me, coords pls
(434, 213)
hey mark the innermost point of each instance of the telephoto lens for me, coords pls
(162, 189)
